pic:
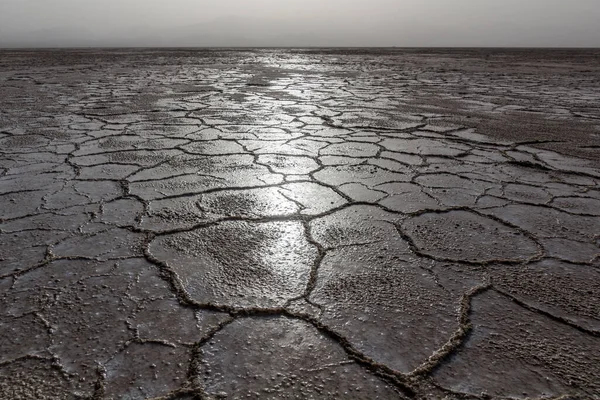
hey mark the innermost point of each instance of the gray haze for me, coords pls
(528, 23)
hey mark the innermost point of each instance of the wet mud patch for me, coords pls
(536, 356)
(276, 357)
(240, 263)
(470, 237)
(387, 307)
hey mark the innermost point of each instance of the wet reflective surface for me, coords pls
(277, 224)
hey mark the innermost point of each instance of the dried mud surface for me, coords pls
(279, 224)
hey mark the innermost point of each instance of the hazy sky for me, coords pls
(554, 23)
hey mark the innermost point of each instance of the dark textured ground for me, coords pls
(301, 224)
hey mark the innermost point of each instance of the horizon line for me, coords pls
(67, 47)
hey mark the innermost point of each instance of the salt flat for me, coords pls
(289, 223)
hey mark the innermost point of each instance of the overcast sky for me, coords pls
(548, 23)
